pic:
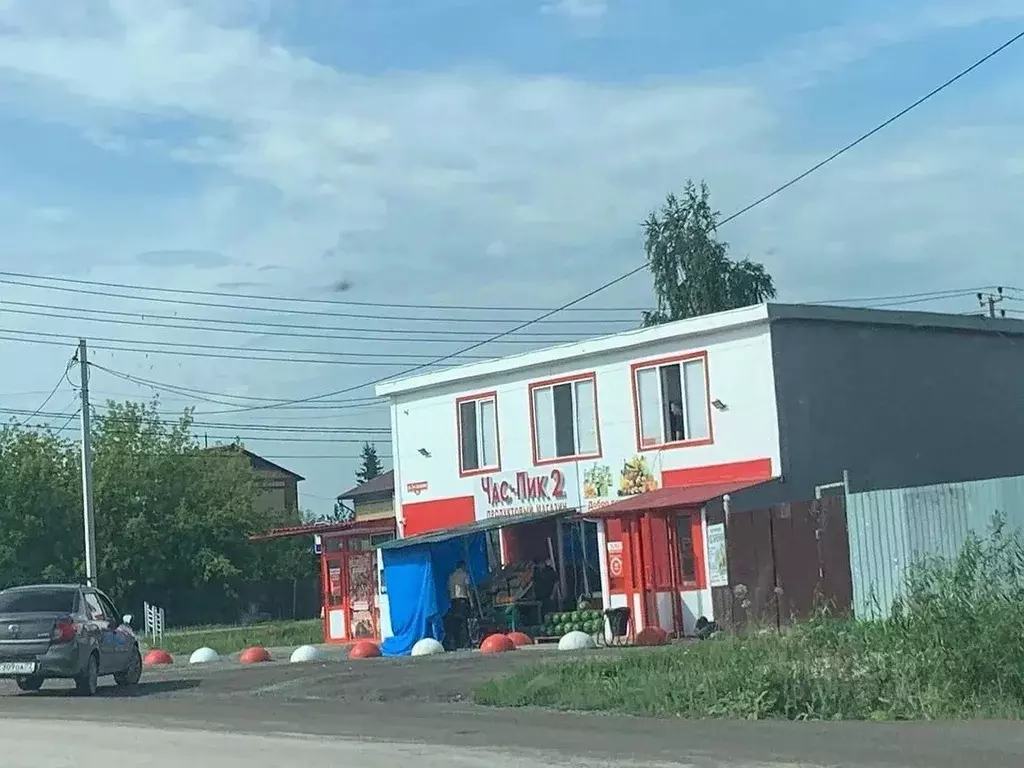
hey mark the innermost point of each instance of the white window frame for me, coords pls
(577, 454)
(477, 401)
(656, 366)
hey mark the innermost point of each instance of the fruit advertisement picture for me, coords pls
(636, 477)
(597, 482)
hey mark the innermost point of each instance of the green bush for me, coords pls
(953, 647)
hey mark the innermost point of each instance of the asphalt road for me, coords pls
(375, 713)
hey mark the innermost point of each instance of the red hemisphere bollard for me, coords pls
(519, 639)
(156, 657)
(254, 655)
(364, 649)
(497, 643)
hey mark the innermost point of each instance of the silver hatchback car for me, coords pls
(65, 631)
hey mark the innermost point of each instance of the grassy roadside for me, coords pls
(226, 640)
(952, 648)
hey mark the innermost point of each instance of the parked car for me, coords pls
(65, 631)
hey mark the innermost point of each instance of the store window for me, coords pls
(478, 433)
(565, 419)
(687, 556)
(672, 401)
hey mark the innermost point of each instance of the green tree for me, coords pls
(371, 466)
(172, 520)
(693, 274)
(41, 528)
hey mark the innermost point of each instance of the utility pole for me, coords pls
(87, 508)
(989, 300)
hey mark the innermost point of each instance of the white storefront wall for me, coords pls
(426, 442)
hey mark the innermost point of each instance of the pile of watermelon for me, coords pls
(558, 624)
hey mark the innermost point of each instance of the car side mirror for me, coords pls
(127, 619)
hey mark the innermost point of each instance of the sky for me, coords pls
(475, 153)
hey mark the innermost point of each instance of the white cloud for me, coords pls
(476, 185)
(577, 9)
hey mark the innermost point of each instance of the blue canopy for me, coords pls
(417, 583)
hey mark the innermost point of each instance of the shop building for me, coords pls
(354, 605)
(639, 431)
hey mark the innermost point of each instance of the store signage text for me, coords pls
(525, 489)
(525, 493)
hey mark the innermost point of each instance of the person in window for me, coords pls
(457, 631)
(675, 421)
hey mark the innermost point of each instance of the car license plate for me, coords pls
(17, 667)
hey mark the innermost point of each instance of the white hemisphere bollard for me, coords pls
(203, 655)
(576, 641)
(306, 653)
(428, 646)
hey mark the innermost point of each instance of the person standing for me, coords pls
(458, 611)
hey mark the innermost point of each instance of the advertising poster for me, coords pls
(718, 564)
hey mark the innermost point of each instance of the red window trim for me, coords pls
(478, 396)
(543, 384)
(656, 362)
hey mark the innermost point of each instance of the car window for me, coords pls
(108, 609)
(93, 609)
(37, 600)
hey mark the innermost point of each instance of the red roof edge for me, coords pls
(678, 497)
(319, 529)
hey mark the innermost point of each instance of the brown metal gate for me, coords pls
(784, 563)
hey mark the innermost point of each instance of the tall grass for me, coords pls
(953, 647)
(232, 639)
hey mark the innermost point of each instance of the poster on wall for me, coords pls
(718, 564)
(604, 484)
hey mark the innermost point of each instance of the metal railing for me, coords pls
(153, 623)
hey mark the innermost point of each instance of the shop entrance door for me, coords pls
(362, 588)
(334, 578)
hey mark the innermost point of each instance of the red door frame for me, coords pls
(639, 567)
(328, 560)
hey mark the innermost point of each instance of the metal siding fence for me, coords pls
(890, 529)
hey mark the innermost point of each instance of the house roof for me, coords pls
(759, 314)
(678, 497)
(257, 461)
(383, 484)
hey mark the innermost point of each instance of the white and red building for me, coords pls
(637, 431)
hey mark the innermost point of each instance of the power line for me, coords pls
(235, 348)
(192, 353)
(180, 389)
(71, 418)
(107, 294)
(615, 281)
(250, 327)
(374, 432)
(300, 300)
(899, 297)
(53, 391)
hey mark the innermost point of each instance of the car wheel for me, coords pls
(131, 674)
(30, 683)
(87, 682)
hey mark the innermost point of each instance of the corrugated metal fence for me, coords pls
(890, 529)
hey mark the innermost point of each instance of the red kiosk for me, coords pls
(348, 574)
